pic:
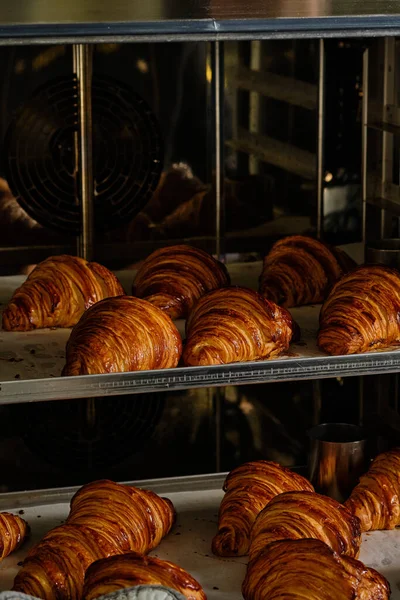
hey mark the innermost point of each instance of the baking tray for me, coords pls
(196, 500)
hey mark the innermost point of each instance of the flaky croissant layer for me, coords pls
(309, 569)
(298, 515)
(376, 499)
(13, 533)
(122, 334)
(248, 489)
(236, 324)
(300, 270)
(128, 570)
(361, 312)
(174, 278)
(57, 293)
(105, 519)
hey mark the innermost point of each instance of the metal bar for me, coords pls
(387, 138)
(274, 152)
(218, 89)
(278, 87)
(255, 103)
(364, 142)
(293, 369)
(83, 59)
(218, 415)
(320, 139)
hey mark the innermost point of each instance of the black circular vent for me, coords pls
(90, 434)
(40, 154)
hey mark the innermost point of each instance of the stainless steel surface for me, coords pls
(83, 64)
(385, 252)
(338, 456)
(48, 19)
(218, 89)
(320, 140)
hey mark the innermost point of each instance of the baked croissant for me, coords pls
(248, 489)
(122, 334)
(309, 569)
(235, 324)
(174, 278)
(300, 270)
(105, 519)
(128, 570)
(57, 293)
(361, 312)
(298, 515)
(13, 533)
(376, 499)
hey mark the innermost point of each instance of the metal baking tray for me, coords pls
(31, 363)
(196, 500)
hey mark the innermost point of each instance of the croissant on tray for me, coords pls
(376, 499)
(122, 334)
(298, 515)
(248, 489)
(235, 324)
(13, 533)
(105, 519)
(128, 570)
(174, 278)
(361, 312)
(307, 568)
(57, 293)
(300, 270)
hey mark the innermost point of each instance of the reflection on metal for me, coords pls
(320, 140)
(387, 138)
(274, 152)
(364, 142)
(119, 19)
(83, 60)
(279, 87)
(255, 102)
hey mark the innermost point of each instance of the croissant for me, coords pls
(307, 568)
(248, 489)
(300, 270)
(122, 334)
(298, 515)
(376, 499)
(105, 519)
(57, 293)
(361, 312)
(13, 533)
(235, 324)
(128, 570)
(175, 278)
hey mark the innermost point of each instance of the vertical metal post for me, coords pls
(387, 138)
(255, 103)
(83, 65)
(218, 95)
(320, 139)
(364, 142)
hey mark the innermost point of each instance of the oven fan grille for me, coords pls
(40, 154)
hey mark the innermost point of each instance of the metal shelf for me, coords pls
(291, 369)
(52, 21)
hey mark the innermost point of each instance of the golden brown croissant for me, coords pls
(57, 293)
(361, 312)
(376, 499)
(309, 569)
(235, 324)
(248, 489)
(300, 270)
(105, 519)
(122, 334)
(129, 570)
(174, 278)
(299, 515)
(13, 533)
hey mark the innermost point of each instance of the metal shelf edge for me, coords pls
(60, 388)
